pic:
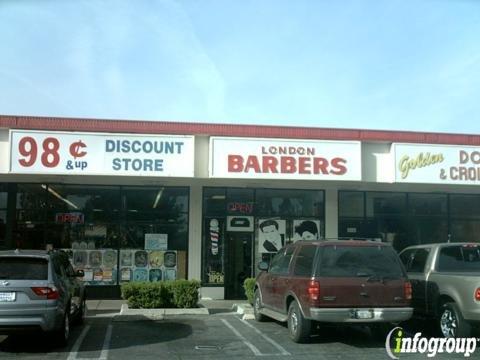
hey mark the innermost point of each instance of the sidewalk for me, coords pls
(99, 307)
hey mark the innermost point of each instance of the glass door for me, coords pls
(238, 263)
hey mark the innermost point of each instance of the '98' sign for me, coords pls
(28, 148)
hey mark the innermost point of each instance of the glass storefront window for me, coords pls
(351, 204)
(3, 214)
(427, 204)
(155, 241)
(230, 214)
(285, 203)
(465, 206)
(385, 203)
(240, 201)
(465, 230)
(140, 236)
(214, 201)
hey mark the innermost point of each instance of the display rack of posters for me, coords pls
(147, 265)
(99, 265)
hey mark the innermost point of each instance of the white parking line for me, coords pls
(252, 347)
(106, 344)
(270, 340)
(76, 346)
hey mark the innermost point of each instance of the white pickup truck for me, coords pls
(445, 282)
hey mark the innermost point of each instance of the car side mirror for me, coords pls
(79, 273)
(263, 266)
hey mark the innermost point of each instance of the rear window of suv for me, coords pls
(355, 261)
(23, 268)
(459, 258)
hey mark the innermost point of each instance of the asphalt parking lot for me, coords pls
(219, 336)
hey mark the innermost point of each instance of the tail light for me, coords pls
(477, 294)
(49, 292)
(313, 290)
(407, 290)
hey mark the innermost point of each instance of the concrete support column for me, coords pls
(195, 233)
(331, 213)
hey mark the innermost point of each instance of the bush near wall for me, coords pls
(249, 285)
(162, 294)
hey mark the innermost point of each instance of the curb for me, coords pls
(244, 309)
(127, 314)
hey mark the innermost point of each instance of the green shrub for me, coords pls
(185, 293)
(162, 294)
(249, 286)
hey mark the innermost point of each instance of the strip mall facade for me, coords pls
(145, 201)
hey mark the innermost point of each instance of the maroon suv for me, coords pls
(341, 281)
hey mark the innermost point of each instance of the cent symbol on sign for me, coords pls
(76, 149)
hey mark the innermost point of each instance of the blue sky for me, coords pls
(396, 64)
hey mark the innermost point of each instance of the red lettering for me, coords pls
(339, 165)
(320, 165)
(288, 165)
(269, 164)
(304, 165)
(252, 163)
(235, 163)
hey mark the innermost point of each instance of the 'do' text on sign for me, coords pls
(284, 159)
(42, 152)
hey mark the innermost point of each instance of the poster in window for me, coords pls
(126, 274)
(155, 275)
(126, 258)
(271, 235)
(240, 223)
(140, 275)
(141, 258)
(156, 241)
(110, 258)
(155, 259)
(306, 229)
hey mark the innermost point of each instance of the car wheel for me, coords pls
(452, 323)
(82, 313)
(298, 327)
(257, 305)
(61, 335)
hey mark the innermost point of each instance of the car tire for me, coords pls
(299, 328)
(452, 323)
(62, 334)
(82, 313)
(257, 305)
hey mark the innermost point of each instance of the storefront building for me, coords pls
(146, 201)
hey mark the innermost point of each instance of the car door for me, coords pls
(74, 285)
(276, 272)
(415, 261)
(283, 280)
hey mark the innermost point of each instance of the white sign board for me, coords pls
(437, 164)
(156, 241)
(252, 158)
(40, 152)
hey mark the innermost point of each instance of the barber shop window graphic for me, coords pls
(271, 235)
(306, 230)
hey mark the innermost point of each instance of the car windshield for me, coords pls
(23, 268)
(374, 262)
(460, 258)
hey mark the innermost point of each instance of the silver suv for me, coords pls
(39, 290)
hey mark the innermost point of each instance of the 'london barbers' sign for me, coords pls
(42, 152)
(437, 164)
(284, 159)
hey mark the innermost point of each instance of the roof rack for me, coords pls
(353, 238)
